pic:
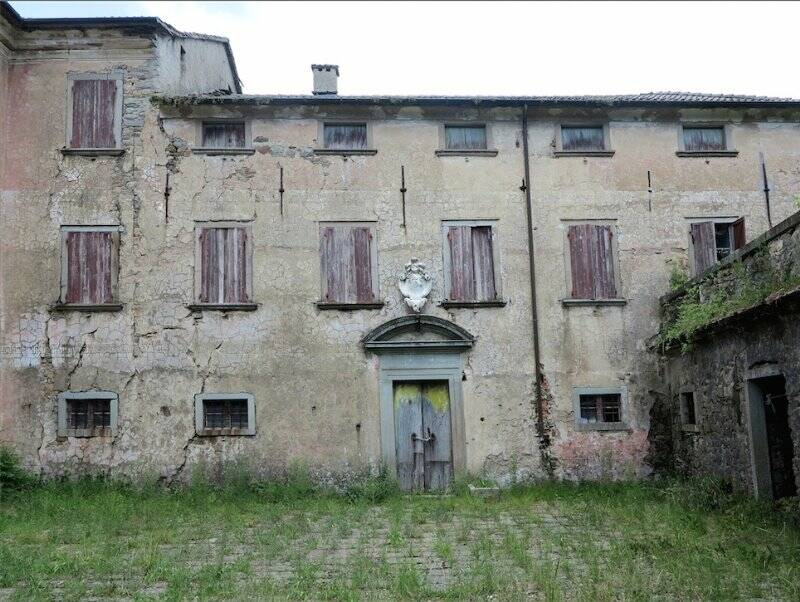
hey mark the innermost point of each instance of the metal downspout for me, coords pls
(532, 267)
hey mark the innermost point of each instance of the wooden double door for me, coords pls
(423, 435)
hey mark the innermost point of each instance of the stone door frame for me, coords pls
(417, 367)
(434, 352)
(757, 427)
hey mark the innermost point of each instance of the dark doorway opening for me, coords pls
(779, 445)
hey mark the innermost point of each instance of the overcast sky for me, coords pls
(491, 48)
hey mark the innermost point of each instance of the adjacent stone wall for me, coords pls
(717, 359)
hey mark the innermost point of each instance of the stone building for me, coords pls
(193, 277)
(733, 380)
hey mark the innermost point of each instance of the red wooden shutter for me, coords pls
(581, 251)
(739, 238)
(93, 107)
(703, 242)
(483, 263)
(362, 264)
(605, 286)
(89, 265)
(462, 277)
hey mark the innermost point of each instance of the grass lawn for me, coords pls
(551, 542)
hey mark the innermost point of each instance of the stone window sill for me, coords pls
(474, 304)
(226, 432)
(602, 426)
(93, 152)
(348, 306)
(86, 307)
(584, 153)
(690, 428)
(580, 302)
(223, 151)
(345, 152)
(466, 152)
(223, 306)
(719, 153)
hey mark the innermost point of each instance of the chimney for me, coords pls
(325, 77)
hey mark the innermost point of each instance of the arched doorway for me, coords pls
(422, 417)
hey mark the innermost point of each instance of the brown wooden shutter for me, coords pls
(582, 244)
(462, 277)
(605, 286)
(331, 268)
(90, 260)
(224, 261)
(739, 237)
(703, 242)
(93, 107)
(483, 263)
(223, 135)
(362, 264)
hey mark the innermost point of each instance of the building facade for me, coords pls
(193, 277)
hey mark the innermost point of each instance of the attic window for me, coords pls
(582, 138)
(345, 136)
(458, 137)
(705, 138)
(229, 134)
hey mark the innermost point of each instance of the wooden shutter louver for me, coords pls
(90, 261)
(704, 246)
(93, 108)
(224, 265)
(347, 264)
(604, 277)
(462, 277)
(483, 263)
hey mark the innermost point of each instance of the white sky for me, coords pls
(492, 48)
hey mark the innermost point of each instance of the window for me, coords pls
(582, 138)
(458, 137)
(714, 240)
(95, 112)
(345, 136)
(703, 138)
(599, 408)
(470, 259)
(89, 260)
(225, 414)
(224, 135)
(593, 273)
(349, 264)
(224, 259)
(688, 409)
(87, 414)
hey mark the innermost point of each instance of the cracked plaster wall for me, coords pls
(311, 380)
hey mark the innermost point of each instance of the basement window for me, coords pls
(599, 409)
(87, 414)
(222, 414)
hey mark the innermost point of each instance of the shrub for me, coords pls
(12, 476)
